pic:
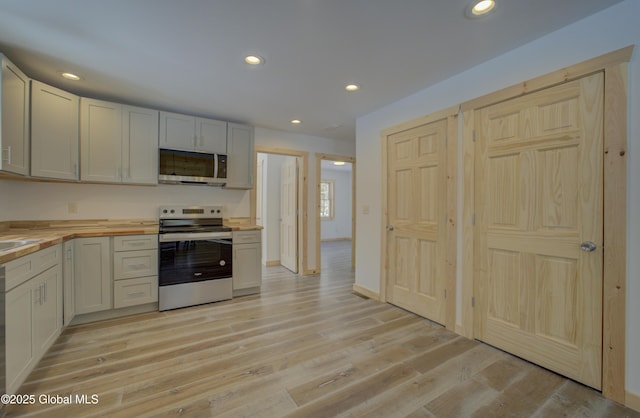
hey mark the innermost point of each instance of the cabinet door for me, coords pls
(211, 136)
(68, 286)
(19, 354)
(139, 145)
(177, 131)
(47, 311)
(240, 156)
(14, 135)
(93, 280)
(247, 270)
(54, 132)
(100, 141)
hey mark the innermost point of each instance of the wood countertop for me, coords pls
(50, 233)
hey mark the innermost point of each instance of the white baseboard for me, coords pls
(366, 292)
(632, 401)
(271, 263)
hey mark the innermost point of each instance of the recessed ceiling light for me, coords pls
(482, 7)
(296, 121)
(253, 60)
(338, 163)
(352, 87)
(70, 76)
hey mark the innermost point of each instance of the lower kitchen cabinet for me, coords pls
(247, 266)
(135, 270)
(93, 283)
(33, 313)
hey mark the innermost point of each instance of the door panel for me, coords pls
(538, 197)
(416, 204)
(288, 215)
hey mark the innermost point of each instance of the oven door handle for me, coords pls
(192, 236)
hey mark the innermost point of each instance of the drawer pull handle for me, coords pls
(138, 266)
(135, 294)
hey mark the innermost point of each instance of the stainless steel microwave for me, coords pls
(192, 168)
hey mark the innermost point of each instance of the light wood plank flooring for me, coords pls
(305, 347)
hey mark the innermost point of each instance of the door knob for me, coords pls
(588, 246)
(389, 227)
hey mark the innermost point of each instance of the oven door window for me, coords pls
(194, 261)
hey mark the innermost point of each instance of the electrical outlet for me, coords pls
(365, 209)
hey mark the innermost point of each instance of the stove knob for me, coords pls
(173, 211)
(164, 211)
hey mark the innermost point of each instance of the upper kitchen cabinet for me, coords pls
(118, 143)
(139, 145)
(239, 156)
(189, 133)
(54, 132)
(14, 119)
(100, 141)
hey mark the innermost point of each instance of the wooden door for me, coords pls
(416, 202)
(288, 215)
(538, 197)
(259, 192)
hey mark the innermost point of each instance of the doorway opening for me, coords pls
(335, 215)
(278, 204)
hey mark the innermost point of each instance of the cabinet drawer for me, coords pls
(129, 264)
(244, 237)
(22, 269)
(135, 242)
(136, 291)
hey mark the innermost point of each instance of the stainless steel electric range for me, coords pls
(195, 256)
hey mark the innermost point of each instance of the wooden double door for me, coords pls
(538, 234)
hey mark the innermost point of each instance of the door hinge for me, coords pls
(473, 218)
(473, 301)
(473, 135)
(446, 141)
(445, 293)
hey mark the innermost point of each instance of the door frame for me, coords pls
(452, 206)
(614, 66)
(303, 199)
(332, 157)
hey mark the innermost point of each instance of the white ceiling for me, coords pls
(187, 55)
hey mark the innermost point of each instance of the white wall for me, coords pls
(44, 201)
(340, 226)
(611, 29)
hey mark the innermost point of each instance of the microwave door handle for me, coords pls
(215, 166)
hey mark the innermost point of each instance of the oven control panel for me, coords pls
(189, 212)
